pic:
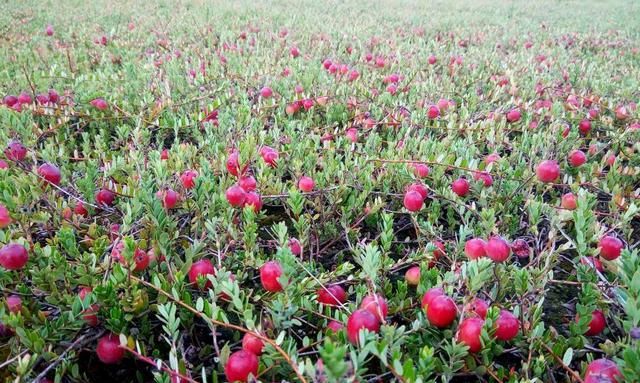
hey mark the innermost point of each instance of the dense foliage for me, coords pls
(208, 192)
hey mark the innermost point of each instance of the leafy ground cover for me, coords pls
(320, 191)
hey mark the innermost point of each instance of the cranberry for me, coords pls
(420, 188)
(236, 196)
(520, 248)
(376, 305)
(188, 179)
(584, 127)
(592, 262)
(79, 209)
(109, 350)
(602, 370)
(597, 324)
(332, 295)
(99, 103)
(233, 164)
(270, 274)
(548, 171)
(469, 333)
(14, 303)
(247, 183)
(513, 115)
(5, 217)
(359, 320)
(497, 249)
(432, 293)
(475, 248)
(15, 151)
(295, 246)
(433, 112)
(141, 260)
(413, 201)
(202, 268)
(254, 200)
(485, 177)
(266, 92)
(460, 187)
(478, 307)
(306, 184)
(50, 173)
(441, 311)
(507, 326)
(412, 276)
(105, 197)
(169, 198)
(334, 326)
(577, 158)
(568, 201)
(252, 343)
(13, 256)
(421, 170)
(240, 365)
(610, 247)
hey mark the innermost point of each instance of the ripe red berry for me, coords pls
(25, 98)
(14, 303)
(240, 365)
(433, 112)
(485, 177)
(266, 92)
(236, 196)
(188, 179)
(460, 187)
(15, 151)
(477, 307)
(233, 164)
(497, 249)
(610, 247)
(105, 197)
(13, 256)
(109, 350)
(584, 127)
(352, 135)
(270, 156)
(592, 262)
(254, 200)
(475, 248)
(169, 198)
(141, 260)
(507, 326)
(548, 171)
(334, 326)
(441, 311)
(202, 268)
(164, 154)
(421, 170)
(99, 103)
(413, 201)
(469, 333)
(428, 297)
(333, 295)
(306, 184)
(412, 276)
(359, 320)
(49, 30)
(270, 274)
(50, 173)
(577, 158)
(252, 343)
(247, 183)
(569, 201)
(597, 324)
(602, 371)
(420, 188)
(79, 209)
(5, 217)
(376, 305)
(295, 246)
(513, 115)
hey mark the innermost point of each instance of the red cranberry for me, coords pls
(332, 295)
(359, 320)
(252, 343)
(497, 249)
(441, 311)
(188, 179)
(306, 184)
(5, 217)
(109, 350)
(375, 304)
(247, 183)
(610, 247)
(202, 268)
(236, 196)
(270, 274)
(475, 248)
(105, 197)
(240, 365)
(13, 256)
(507, 326)
(597, 324)
(15, 151)
(469, 333)
(460, 187)
(548, 171)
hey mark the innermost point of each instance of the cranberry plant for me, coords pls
(320, 192)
